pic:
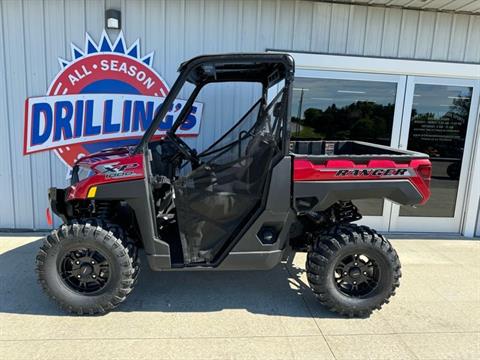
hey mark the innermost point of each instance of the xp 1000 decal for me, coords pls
(116, 170)
(105, 97)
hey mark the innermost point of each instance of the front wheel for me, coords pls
(353, 270)
(86, 268)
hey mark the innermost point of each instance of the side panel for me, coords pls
(250, 252)
(319, 195)
(135, 193)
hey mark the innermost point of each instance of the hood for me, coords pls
(105, 155)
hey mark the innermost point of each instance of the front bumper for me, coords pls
(56, 198)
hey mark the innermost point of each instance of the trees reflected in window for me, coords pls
(343, 109)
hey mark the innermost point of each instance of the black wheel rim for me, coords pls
(84, 270)
(357, 275)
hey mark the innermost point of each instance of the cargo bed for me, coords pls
(329, 171)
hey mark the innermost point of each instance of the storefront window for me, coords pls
(438, 127)
(333, 109)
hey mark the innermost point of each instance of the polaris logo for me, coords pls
(374, 172)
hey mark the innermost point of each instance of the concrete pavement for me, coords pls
(250, 315)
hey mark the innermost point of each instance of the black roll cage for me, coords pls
(266, 68)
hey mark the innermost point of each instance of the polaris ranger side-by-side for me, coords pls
(248, 201)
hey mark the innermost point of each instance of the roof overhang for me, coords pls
(456, 6)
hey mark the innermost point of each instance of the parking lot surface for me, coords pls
(250, 315)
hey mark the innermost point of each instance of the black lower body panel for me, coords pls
(319, 195)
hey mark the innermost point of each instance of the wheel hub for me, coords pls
(357, 275)
(355, 272)
(84, 270)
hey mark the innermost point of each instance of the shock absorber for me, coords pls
(103, 209)
(346, 212)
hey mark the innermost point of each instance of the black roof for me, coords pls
(253, 67)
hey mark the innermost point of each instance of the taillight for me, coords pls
(425, 172)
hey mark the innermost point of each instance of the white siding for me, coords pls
(7, 210)
(477, 231)
(34, 33)
(16, 80)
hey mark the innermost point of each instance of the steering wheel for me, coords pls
(184, 149)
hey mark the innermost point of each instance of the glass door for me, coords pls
(438, 119)
(350, 106)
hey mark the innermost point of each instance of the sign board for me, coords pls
(105, 97)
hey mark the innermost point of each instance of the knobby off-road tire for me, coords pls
(332, 269)
(108, 246)
(121, 234)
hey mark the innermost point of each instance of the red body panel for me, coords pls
(118, 165)
(109, 166)
(417, 171)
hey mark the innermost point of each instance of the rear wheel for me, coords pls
(86, 268)
(353, 270)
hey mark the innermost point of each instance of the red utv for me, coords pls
(248, 201)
